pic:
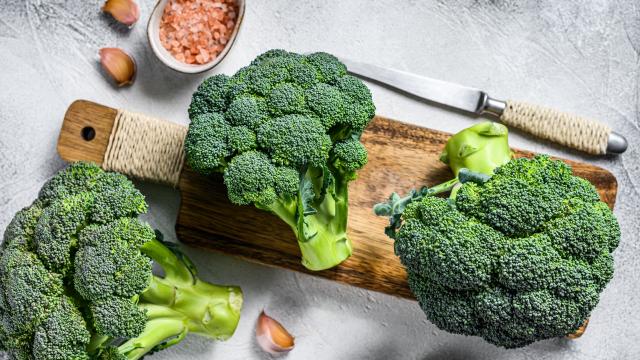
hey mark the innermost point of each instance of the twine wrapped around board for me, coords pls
(564, 128)
(146, 148)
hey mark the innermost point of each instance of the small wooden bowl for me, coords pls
(153, 35)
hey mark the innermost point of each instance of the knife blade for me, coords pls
(563, 128)
(457, 96)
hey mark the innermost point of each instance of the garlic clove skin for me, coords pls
(272, 336)
(580, 330)
(126, 12)
(119, 65)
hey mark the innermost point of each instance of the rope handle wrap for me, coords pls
(146, 148)
(564, 128)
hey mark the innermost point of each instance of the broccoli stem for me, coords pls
(444, 187)
(97, 341)
(174, 267)
(326, 248)
(285, 210)
(208, 310)
(162, 331)
(322, 236)
(180, 303)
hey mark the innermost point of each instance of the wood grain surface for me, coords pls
(401, 157)
(87, 116)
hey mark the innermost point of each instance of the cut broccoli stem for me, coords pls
(212, 310)
(209, 310)
(321, 234)
(341, 198)
(179, 303)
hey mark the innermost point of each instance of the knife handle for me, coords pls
(133, 144)
(563, 128)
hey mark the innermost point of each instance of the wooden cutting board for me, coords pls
(401, 157)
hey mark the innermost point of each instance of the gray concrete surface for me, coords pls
(580, 56)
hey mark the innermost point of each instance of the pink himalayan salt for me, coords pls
(196, 31)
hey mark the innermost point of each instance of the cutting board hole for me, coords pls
(88, 133)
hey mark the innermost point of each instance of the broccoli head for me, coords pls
(285, 133)
(516, 257)
(76, 277)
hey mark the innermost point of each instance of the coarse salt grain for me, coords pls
(196, 31)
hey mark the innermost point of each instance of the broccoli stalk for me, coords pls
(76, 278)
(322, 233)
(180, 303)
(285, 132)
(319, 223)
(206, 309)
(322, 236)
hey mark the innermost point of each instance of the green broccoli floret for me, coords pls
(287, 140)
(63, 335)
(246, 110)
(76, 277)
(327, 102)
(250, 179)
(30, 293)
(348, 157)
(208, 137)
(209, 97)
(520, 250)
(241, 139)
(111, 353)
(296, 141)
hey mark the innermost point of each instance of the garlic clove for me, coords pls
(272, 336)
(580, 330)
(119, 65)
(124, 11)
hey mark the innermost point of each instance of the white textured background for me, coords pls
(580, 56)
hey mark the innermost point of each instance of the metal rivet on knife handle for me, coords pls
(566, 129)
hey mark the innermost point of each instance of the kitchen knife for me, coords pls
(570, 130)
